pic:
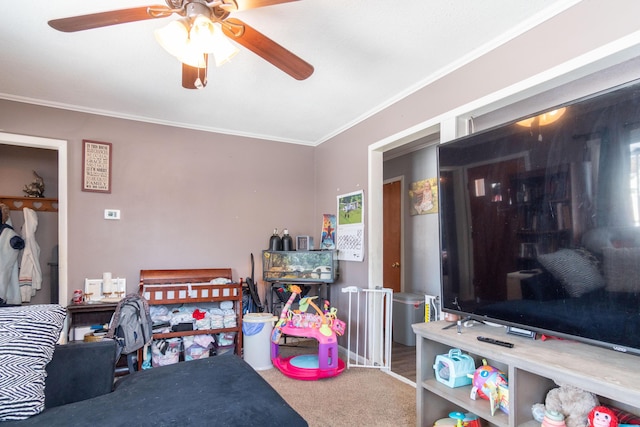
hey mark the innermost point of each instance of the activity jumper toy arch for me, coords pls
(324, 326)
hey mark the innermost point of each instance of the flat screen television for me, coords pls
(539, 221)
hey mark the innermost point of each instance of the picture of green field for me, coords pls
(350, 209)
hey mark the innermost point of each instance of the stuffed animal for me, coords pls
(601, 416)
(569, 401)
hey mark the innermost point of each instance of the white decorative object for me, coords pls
(107, 285)
(93, 290)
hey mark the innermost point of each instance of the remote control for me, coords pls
(496, 342)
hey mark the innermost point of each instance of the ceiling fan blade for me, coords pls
(254, 4)
(266, 48)
(104, 19)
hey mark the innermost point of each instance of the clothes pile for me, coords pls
(186, 317)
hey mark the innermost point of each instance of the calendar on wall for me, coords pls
(350, 232)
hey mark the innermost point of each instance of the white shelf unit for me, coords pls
(533, 368)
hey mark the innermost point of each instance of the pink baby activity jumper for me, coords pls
(322, 326)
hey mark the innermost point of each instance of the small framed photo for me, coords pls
(96, 166)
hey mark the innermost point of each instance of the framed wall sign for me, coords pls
(96, 166)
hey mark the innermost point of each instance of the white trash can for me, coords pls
(256, 339)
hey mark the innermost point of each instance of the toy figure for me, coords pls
(490, 383)
(601, 416)
(486, 377)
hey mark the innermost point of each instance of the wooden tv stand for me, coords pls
(533, 368)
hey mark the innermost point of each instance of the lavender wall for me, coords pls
(188, 199)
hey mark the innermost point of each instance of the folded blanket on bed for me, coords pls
(220, 391)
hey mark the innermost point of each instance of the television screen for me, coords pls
(539, 221)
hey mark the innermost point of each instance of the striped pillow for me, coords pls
(28, 336)
(577, 272)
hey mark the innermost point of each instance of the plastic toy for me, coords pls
(453, 369)
(601, 416)
(490, 383)
(324, 326)
(553, 419)
(458, 419)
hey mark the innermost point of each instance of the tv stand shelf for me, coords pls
(533, 368)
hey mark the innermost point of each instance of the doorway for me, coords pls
(61, 147)
(409, 241)
(403, 358)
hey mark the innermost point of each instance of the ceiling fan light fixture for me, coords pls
(174, 37)
(213, 21)
(223, 50)
(176, 40)
(193, 58)
(207, 37)
(190, 39)
(202, 34)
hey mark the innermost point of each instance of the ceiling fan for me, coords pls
(198, 34)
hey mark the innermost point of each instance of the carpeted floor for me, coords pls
(358, 396)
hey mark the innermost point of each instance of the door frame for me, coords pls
(60, 146)
(402, 204)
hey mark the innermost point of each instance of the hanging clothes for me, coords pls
(30, 276)
(10, 245)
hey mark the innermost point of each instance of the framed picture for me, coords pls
(96, 166)
(424, 197)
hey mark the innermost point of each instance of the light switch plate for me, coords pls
(112, 214)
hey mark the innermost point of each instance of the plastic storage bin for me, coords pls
(408, 309)
(256, 338)
(225, 343)
(165, 351)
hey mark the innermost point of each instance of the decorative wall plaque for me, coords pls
(96, 166)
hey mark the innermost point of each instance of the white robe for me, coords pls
(30, 272)
(9, 286)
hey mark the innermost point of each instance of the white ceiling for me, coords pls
(366, 53)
